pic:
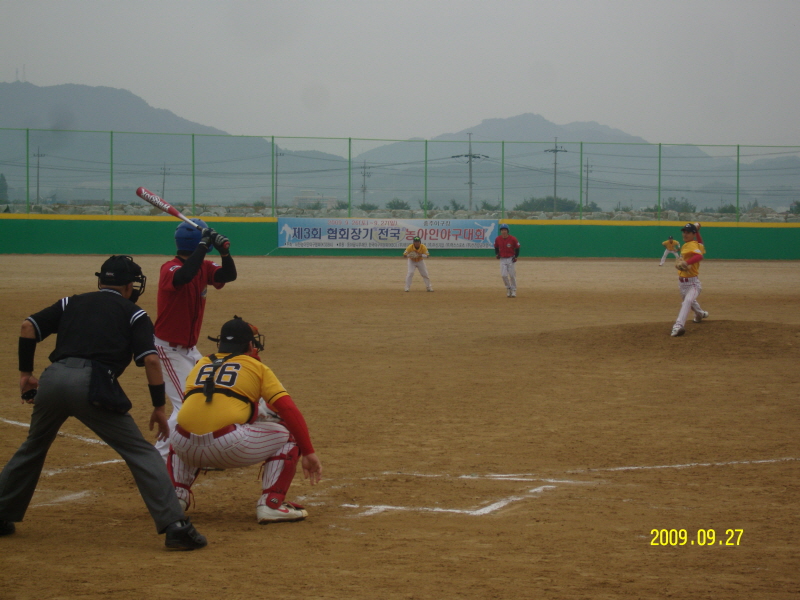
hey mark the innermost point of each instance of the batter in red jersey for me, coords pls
(182, 287)
(506, 249)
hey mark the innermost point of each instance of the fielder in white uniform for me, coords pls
(416, 253)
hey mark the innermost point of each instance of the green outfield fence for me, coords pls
(57, 172)
(43, 234)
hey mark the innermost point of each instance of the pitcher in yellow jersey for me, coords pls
(236, 413)
(688, 267)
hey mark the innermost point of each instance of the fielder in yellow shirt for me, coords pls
(416, 253)
(688, 270)
(671, 247)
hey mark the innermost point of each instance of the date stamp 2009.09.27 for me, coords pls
(702, 537)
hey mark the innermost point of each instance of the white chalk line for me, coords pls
(495, 506)
(63, 499)
(688, 465)
(51, 472)
(61, 433)
(376, 509)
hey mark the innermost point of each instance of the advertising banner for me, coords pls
(469, 234)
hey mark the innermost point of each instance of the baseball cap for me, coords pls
(119, 269)
(236, 334)
(690, 227)
(503, 226)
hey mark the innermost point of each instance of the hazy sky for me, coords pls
(670, 71)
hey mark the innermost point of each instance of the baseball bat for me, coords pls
(162, 204)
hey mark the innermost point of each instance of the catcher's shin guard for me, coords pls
(276, 493)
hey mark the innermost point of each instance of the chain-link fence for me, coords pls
(83, 172)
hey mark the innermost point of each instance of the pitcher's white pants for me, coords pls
(423, 270)
(508, 271)
(176, 364)
(667, 252)
(690, 290)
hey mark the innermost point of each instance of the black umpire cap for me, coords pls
(119, 270)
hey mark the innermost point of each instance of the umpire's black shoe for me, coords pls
(7, 527)
(182, 535)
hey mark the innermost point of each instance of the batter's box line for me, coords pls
(687, 465)
(61, 433)
(374, 509)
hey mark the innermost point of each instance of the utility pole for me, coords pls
(555, 150)
(38, 155)
(588, 170)
(364, 174)
(164, 171)
(275, 191)
(470, 157)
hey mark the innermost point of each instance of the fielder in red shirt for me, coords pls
(506, 250)
(182, 287)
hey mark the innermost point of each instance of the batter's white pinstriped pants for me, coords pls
(176, 364)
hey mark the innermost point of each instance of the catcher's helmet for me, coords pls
(690, 227)
(187, 237)
(120, 269)
(503, 226)
(236, 334)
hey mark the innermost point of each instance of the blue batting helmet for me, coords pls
(187, 237)
(503, 226)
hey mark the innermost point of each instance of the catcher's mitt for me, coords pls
(412, 254)
(681, 264)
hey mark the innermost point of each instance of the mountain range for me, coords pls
(518, 157)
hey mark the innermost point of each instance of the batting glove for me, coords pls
(514, 259)
(207, 237)
(221, 243)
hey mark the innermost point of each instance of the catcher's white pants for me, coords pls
(176, 363)
(690, 290)
(246, 445)
(508, 271)
(423, 270)
(668, 252)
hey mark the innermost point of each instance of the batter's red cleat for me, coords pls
(287, 513)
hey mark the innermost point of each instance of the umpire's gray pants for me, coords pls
(63, 392)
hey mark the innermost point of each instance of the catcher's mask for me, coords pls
(121, 270)
(236, 335)
(187, 237)
(689, 227)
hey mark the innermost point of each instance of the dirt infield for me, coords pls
(474, 446)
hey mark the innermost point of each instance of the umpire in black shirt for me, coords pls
(98, 333)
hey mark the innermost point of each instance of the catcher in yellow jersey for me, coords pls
(416, 253)
(236, 413)
(688, 266)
